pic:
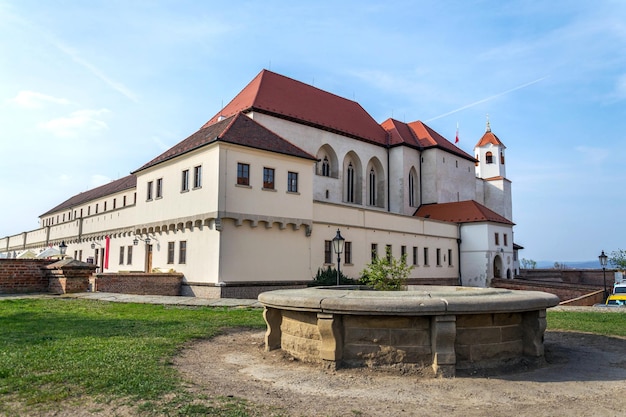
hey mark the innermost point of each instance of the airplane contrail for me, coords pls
(519, 87)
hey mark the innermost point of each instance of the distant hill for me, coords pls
(574, 265)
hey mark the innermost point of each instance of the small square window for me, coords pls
(243, 174)
(197, 176)
(292, 182)
(184, 181)
(159, 188)
(268, 178)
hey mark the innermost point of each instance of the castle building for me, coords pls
(253, 199)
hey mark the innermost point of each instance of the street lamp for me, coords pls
(603, 258)
(62, 249)
(338, 242)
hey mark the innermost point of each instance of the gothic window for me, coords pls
(350, 184)
(411, 190)
(325, 167)
(372, 190)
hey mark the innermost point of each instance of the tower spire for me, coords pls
(488, 124)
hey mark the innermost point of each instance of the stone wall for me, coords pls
(19, 276)
(139, 283)
(564, 291)
(593, 277)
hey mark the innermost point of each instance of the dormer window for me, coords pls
(489, 158)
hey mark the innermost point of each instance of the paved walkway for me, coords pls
(146, 299)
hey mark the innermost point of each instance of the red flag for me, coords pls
(456, 140)
(107, 242)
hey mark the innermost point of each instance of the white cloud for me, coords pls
(98, 180)
(593, 155)
(35, 100)
(77, 122)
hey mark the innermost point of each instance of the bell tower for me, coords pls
(490, 154)
(491, 174)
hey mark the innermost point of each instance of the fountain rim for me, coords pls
(417, 300)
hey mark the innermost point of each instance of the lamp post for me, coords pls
(62, 249)
(603, 258)
(338, 242)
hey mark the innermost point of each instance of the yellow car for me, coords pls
(616, 300)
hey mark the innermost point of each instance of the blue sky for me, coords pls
(91, 90)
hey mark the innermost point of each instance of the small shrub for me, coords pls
(386, 273)
(328, 277)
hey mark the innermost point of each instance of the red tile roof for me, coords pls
(128, 182)
(461, 212)
(418, 134)
(489, 138)
(238, 129)
(287, 98)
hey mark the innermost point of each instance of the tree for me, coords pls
(386, 273)
(528, 263)
(618, 259)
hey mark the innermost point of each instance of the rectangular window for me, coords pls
(506, 239)
(149, 190)
(105, 206)
(124, 202)
(414, 255)
(184, 185)
(170, 252)
(81, 212)
(438, 256)
(197, 176)
(182, 252)
(347, 248)
(403, 251)
(243, 174)
(497, 236)
(159, 188)
(80, 255)
(129, 255)
(388, 252)
(96, 208)
(425, 256)
(121, 255)
(292, 182)
(268, 178)
(328, 252)
(88, 210)
(114, 204)
(449, 257)
(374, 251)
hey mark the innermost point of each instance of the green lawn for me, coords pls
(59, 351)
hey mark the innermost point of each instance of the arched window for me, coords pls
(489, 158)
(372, 187)
(502, 157)
(411, 190)
(325, 167)
(350, 184)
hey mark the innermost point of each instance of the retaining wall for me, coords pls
(19, 276)
(139, 283)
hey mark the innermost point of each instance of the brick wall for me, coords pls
(18, 276)
(139, 283)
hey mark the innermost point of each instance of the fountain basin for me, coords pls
(435, 329)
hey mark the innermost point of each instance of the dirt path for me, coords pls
(585, 376)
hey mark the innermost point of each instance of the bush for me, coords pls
(328, 277)
(387, 273)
